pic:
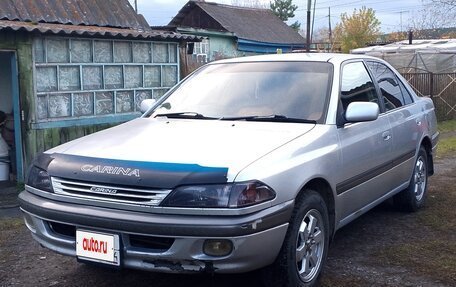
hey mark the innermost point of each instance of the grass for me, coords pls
(447, 142)
(20, 186)
(431, 250)
(446, 147)
(435, 258)
(10, 223)
(447, 126)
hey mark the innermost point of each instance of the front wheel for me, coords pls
(413, 197)
(304, 249)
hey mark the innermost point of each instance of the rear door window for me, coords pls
(405, 93)
(388, 84)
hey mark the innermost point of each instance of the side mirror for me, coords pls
(361, 112)
(146, 105)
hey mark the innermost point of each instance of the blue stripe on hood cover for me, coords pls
(134, 173)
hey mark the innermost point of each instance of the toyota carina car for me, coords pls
(248, 163)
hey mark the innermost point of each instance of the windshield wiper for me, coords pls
(185, 115)
(269, 118)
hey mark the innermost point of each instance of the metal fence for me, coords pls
(441, 87)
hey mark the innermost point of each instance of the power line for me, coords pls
(324, 2)
(344, 4)
(364, 2)
(400, 12)
(397, 9)
(382, 10)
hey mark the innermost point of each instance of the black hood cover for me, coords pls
(129, 173)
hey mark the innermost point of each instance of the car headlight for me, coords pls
(233, 195)
(39, 179)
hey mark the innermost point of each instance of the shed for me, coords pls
(69, 68)
(233, 31)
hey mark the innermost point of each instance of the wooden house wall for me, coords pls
(198, 18)
(35, 141)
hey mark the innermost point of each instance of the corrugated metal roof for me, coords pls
(247, 23)
(103, 13)
(96, 18)
(94, 31)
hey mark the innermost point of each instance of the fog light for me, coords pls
(217, 247)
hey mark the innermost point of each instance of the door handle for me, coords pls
(386, 136)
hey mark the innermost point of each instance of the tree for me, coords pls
(296, 26)
(284, 9)
(356, 30)
(321, 35)
(249, 3)
(449, 4)
(436, 14)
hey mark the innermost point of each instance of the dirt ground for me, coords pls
(384, 247)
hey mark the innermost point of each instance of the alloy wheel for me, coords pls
(420, 178)
(310, 245)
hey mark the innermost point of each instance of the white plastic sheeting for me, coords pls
(436, 56)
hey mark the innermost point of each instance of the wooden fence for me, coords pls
(441, 87)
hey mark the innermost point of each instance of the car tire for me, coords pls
(413, 197)
(307, 238)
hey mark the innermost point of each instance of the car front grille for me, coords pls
(111, 193)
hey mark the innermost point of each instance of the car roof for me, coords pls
(308, 57)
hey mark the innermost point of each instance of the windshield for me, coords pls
(274, 90)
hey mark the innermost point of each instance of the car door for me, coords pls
(365, 146)
(405, 120)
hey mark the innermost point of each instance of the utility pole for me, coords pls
(400, 13)
(309, 6)
(313, 21)
(330, 32)
(136, 6)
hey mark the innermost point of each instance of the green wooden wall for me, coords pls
(45, 139)
(35, 141)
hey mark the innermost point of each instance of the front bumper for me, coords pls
(257, 238)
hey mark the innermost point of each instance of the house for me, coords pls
(72, 67)
(232, 31)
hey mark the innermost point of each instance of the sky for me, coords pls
(389, 12)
